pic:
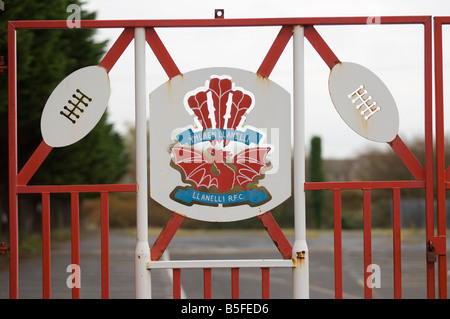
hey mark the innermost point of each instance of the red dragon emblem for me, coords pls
(220, 159)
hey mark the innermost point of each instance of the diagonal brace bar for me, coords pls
(275, 51)
(166, 236)
(161, 53)
(408, 158)
(321, 46)
(276, 235)
(122, 42)
(35, 161)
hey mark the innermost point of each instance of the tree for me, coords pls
(317, 174)
(44, 58)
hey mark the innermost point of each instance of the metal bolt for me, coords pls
(219, 13)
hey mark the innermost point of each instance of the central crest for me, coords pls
(220, 144)
(222, 160)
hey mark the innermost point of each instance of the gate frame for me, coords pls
(438, 243)
(424, 176)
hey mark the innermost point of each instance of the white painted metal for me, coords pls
(270, 116)
(300, 248)
(364, 102)
(142, 252)
(75, 106)
(241, 263)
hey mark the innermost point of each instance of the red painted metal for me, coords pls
(161, 53)
(234, 283)
(46, 251)
(104, 225)
(122, 42)
(441, 173)
(75, 236)
(207, 294)
(408, 158)
(166, 236)
(276, 234)
(12, 152)
(364, 185)
(275, 51)
(337, 244)
(36, 189)
(321, 46)
(429, 178)
(265, 272)
(176, 283)
(396, 235)
(189, 23)
(367, 236)
(33, 163)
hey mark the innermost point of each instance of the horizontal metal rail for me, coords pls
(363, 20)
(238, 263)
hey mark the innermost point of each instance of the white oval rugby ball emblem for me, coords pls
(364, 102)
(75, 106)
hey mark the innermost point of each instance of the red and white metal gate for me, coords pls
(294, 256)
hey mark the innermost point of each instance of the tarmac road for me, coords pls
(227, 245)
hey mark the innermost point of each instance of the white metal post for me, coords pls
(142, 252)
(300, 275)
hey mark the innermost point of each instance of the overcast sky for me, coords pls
(394, 53)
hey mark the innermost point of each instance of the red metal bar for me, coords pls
(440, 154)
(166, 236)
(397, 243)
(46, 260)
(447, 175)
(367, 241)
(275, 51)
(161, 53)
(122, 42)
(337, 243)
(12, 151)
(104, 224)
(167, 23)
(276, 235)
(429, 178)
(363, 185)
(321, 46)
(265, 273)
(31, 166)
(75, 224)
(235, 283)
(176, 283)
(407, 157)
(207, 283)
(76, 188)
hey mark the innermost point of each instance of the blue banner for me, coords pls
(252, 196)
(247, 137)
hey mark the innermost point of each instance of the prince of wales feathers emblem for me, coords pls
(221, 160)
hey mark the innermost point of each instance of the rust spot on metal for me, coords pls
(3, 249)
(3, 66)
(299, 259)
(262, 77)
(301, 254)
